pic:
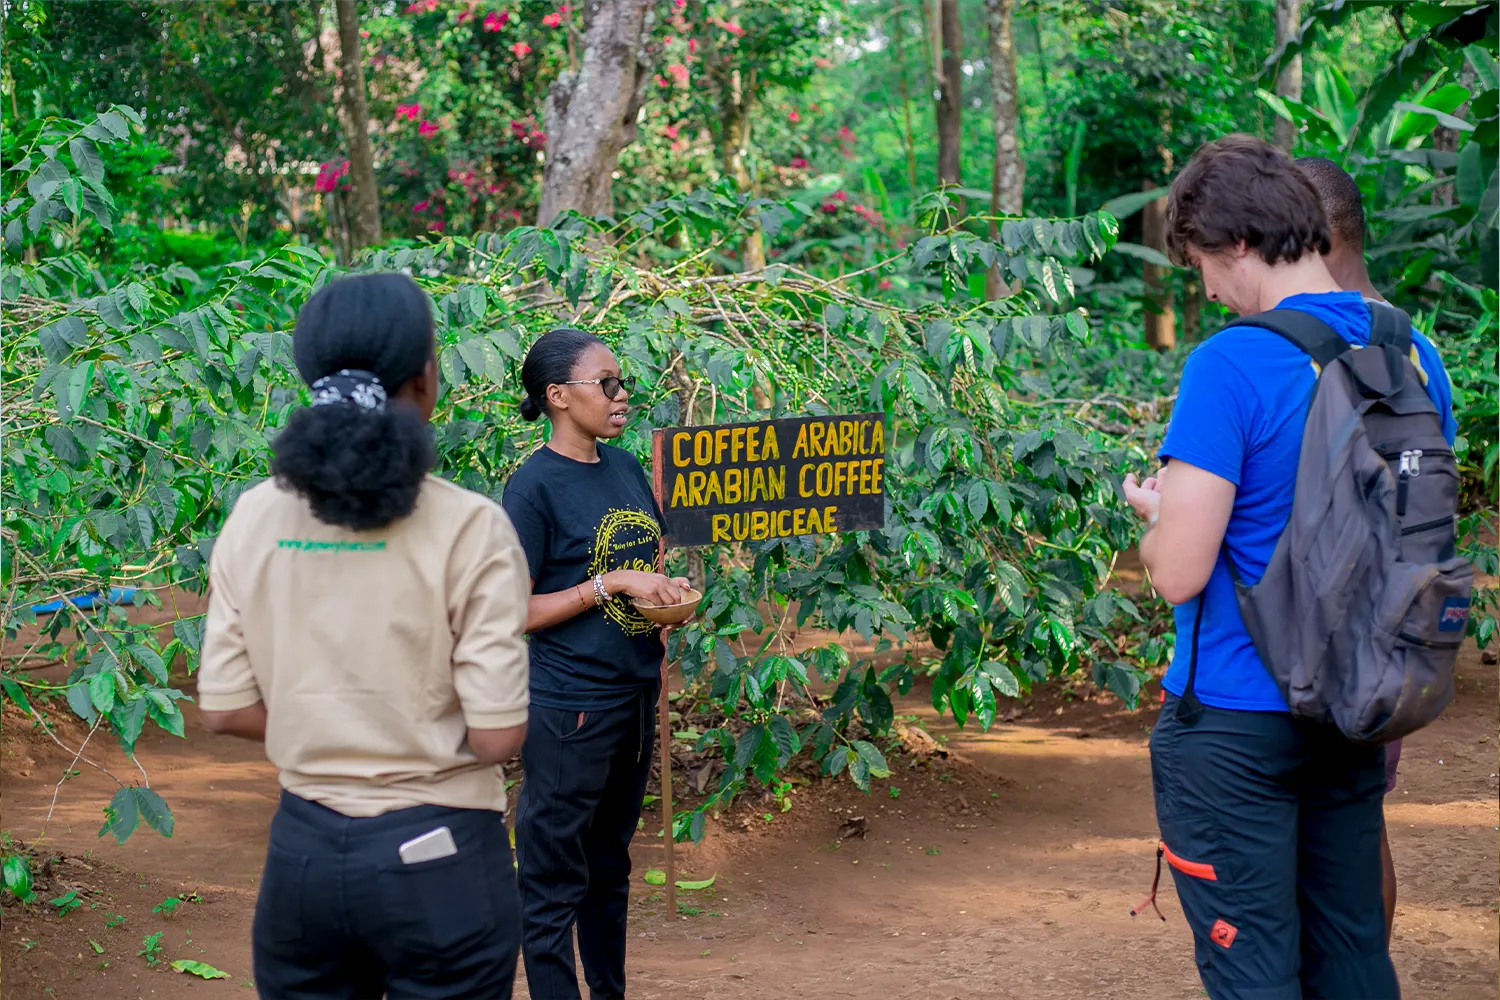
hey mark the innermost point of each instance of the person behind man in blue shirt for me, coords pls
(1344, 205)
(1271, 826)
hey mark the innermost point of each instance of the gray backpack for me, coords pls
(1364, 603)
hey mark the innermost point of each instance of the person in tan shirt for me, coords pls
(366, 620)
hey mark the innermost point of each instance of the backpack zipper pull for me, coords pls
(1405, 471)
(1416, 463)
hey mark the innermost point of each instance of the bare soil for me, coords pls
(995, 864)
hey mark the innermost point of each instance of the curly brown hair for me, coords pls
(1240, 189)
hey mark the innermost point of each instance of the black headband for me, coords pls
(361, 388)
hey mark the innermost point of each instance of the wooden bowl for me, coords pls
(671, 614)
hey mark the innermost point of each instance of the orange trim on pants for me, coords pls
(1194, 868)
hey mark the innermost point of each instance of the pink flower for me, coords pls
(670, 131)
(885, 284)
(840, 196)
(427, 128)
(798, 163)
(421, 206)
(829, 207)
(846, 134)
(495, 21)
(467, 13)
(329, 176)
(679, 72)
(692, 46)
(679, 4)
(521, 49)
(423, 5)
(436, 225)
(661, 81)
(679, 145)
(793, 117)
(822, 63)
(552, 20)
(408, 111)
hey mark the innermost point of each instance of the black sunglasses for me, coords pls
(609, 384)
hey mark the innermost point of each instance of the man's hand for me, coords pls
(1145, 497)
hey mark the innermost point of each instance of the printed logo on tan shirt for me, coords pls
(313, 545)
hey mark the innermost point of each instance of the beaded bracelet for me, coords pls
(600, 594)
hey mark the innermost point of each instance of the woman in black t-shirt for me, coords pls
(592, 534)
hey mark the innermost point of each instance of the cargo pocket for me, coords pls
(439, 906)
(278, 909)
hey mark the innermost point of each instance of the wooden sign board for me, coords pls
(771, 479)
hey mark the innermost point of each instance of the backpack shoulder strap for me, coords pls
(1313, 336)
(1389, 325)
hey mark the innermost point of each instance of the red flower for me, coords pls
(521, 49)
(679, 72)
(495, 21)
(552, 20)
(841, 196)
(408, 111)
(793, 117)
(692, 46)
(885, 284)
(427, 128)
(670, 131)
(732, 27)
(421, 206)
(829, 206)
(798, 163)
(662, 81)
(329, 176)
(436, 225)
(679, 4)
(467, 13)
(846, 134)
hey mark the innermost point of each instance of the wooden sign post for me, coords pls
(753, 483)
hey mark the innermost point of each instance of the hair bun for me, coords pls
(529, 409)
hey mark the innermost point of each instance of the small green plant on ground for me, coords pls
(168, 907)
(113, 920)
(151, 949)
(17, 868)
(66, 903)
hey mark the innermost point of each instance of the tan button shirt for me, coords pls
(373, 651)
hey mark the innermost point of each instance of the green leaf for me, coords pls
(150, 659)
(109, 127)
(978, 499)
(1010, 588)
(655, 876)
(694, 885)
(86, 158)
(200, 969)
(678, 306)
(1002, 678)
(1445, 120)
(481, 356)
(872, 758)
(154, 811)
(17, 868)
(102, 690)
(1123, 206)
(785, 738)
(128, 720)
(1147, 254)
(62, 337)
(122, 816)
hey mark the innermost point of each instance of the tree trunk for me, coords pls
(1007, 183)
(950, 93)
(591, 114)
(738, 95)
(1289, 81)
(364, 227)
(1161, 318)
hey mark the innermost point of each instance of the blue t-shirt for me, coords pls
(1240, 410)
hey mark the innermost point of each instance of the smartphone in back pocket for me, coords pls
(428, 847)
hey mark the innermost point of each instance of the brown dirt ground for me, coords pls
(1007, 867)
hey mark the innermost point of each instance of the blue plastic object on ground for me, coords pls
(117, 595)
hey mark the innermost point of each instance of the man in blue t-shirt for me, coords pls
(1272, 826)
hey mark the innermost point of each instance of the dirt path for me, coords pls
(1007, 869)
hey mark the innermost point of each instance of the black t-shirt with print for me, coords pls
(576, 519)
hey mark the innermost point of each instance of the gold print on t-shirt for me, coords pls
(618, 543)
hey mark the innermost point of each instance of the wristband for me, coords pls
(600, 594)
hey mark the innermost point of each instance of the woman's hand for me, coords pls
(1145, 497)
(653, 588)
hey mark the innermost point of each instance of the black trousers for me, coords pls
(1272, 828)
(580, 803)
(340, 916)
